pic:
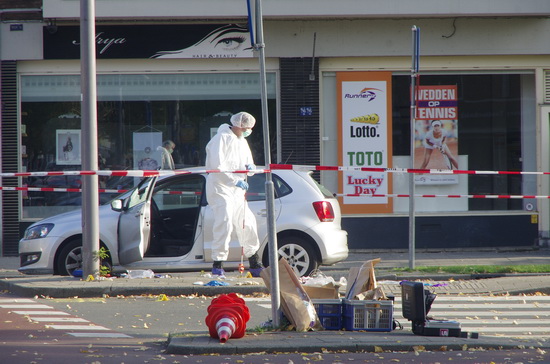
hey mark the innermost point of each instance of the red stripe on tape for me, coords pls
(280, 166)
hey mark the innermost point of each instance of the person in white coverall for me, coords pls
(228, 150)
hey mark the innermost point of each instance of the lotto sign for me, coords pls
(436, 103)
(364, 135)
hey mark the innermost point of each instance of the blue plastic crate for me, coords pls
(367, 315)
(329, 312)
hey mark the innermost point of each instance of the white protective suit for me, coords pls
(227, 151)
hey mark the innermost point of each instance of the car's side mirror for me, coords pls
(116, 205)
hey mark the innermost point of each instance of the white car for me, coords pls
(165, 224)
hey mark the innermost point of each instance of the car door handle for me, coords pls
(262, 212)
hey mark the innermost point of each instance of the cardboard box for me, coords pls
(328, 291)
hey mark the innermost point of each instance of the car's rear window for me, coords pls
(256, 190)
(325, 191)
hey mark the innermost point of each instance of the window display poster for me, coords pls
(436, 133)
(364, 139)
(68, 147)
(147, 155)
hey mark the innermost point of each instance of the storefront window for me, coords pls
(492, 121)
(494, 131)
(132, 110)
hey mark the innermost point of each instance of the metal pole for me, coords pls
(90, 199)
(269, 189)
(414, 76)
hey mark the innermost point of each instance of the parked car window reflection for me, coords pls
(256, 190)
(139, 195)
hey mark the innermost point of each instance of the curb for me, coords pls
(321, 341)
(101, 288)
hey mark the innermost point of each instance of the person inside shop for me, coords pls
(166, 161)
(228, 150)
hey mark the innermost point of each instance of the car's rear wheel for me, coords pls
(299, 254)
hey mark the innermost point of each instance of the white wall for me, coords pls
(302, 8)
(21, 45)
(386, 37)
(361, 38)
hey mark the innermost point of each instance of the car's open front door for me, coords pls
(134, 224)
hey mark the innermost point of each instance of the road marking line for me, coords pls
(28, 313)
(58, 319)
(99, 335)
(31, 304)
(76, 327)
(26, 306)
(16, 300)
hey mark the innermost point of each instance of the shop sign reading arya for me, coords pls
(103, 42)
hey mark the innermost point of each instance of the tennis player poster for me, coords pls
(436, 134)
(365, 140)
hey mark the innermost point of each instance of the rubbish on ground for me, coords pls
(317, 278)
(77, 273)
(140, 273)
(163, 297)
(361, 280)
(324, 292)
(216, 283)
(247, 283)
(295, 302)
(163, 276)
(319, 286)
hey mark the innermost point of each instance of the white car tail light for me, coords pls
(324, 211)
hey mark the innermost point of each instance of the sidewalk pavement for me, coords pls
(191, 283)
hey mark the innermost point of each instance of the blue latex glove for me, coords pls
(250, 167)
(242, 184)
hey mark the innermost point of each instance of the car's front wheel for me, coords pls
(69, 258)
(298, 252)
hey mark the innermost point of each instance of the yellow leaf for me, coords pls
(378, 349)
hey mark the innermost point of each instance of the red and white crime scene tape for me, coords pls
(273, 167)
(395, 170)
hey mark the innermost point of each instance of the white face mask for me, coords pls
(247, 133)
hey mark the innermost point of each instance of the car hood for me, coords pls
(74, 216)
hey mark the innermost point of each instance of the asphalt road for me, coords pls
(147, 320)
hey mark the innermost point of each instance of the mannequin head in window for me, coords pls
(169, 146)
